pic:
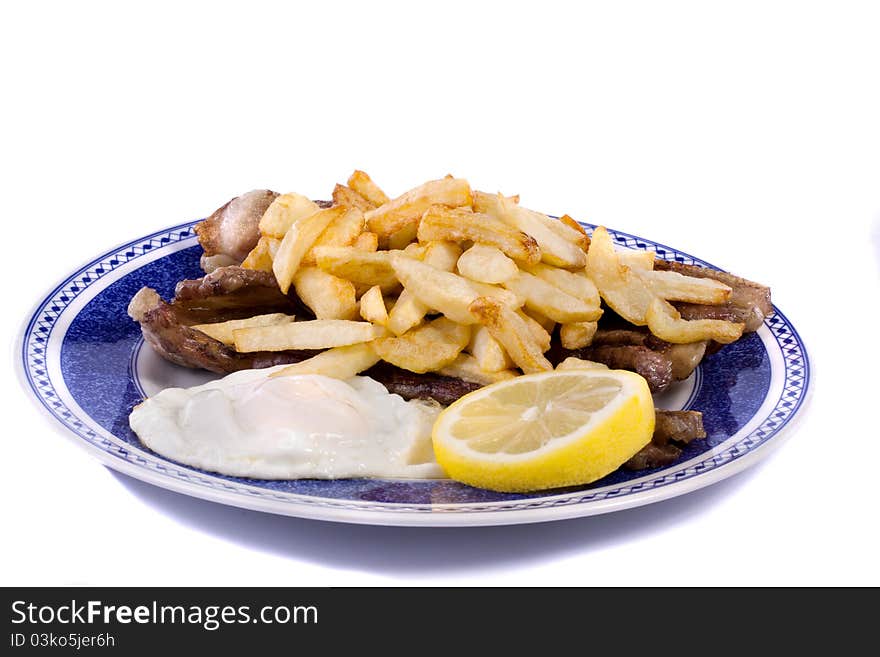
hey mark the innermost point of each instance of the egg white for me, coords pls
(247, 424)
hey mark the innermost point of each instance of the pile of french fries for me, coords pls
(447, 279)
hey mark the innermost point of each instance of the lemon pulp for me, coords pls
(545, 430)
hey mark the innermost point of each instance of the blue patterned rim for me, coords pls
(757, 408)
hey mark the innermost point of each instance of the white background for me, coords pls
(746, 133)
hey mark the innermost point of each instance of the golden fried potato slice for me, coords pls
(556, 249)
(222, 331)
(459, 224)
(313, 334)
(577, 284)
(360, 182)
(439, 290)
(259, 257)
(441, 255)
(406, 210)
(361, 267)
(572, 363)
(402, 238)
(372, 306)
(285, 211)
(338, 362)
(415, 250)
(328, 296)
(426, 348)
(621, 287)
(466, 368)
(540, 333)
(550, 301)
(512, 331)
(486, 264)
(638, 260)
(583, 240)
(488, 352)
(342, 231)
(672, 286)
(666, 323)
(366, 241)
(297, 242)
(507, 297)
(577, 335)
(347, 197)
(409, 311)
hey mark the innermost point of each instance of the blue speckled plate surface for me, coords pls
(85, 363)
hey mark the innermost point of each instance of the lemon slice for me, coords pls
(546, 430)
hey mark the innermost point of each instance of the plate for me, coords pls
(84, 362)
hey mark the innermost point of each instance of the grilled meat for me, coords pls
(749, 302)
(672, 430)
(232, 293)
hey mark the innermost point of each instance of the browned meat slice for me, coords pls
(635, 336)
(232, 293)
(680, 426)
(166, 329)
(672, 430)
(749, 302)
(655, 366)
(443, 389)
(232, 230)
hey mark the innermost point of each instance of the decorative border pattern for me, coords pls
(40, 326)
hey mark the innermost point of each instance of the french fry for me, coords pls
(342, 231)
(426, 348)
(403, 237)
(540, 335)
(313, 334)
(273, 244)
(366, 241)
(542, 320)
(466, 368)
(222, 331)
(620, 287)
(556, 250)
(406, 313)
(347, 197)
(584, 240)
(551, 301)
(458, 224)
(577, 335)
(488, 352)
(409, 311)
(407, 209)
(441, 290)
(364, 185)
(285, 211)
(572, 363)
(666, 323)
(577, 284)
(259, 257)
(512, 331)
(360, 267)
(639, 260)
(338, 362)
(486, 264)
(297, 241)
(673, 286)
(328, 296)
(372, 306)
(509, 298)
(415, 250)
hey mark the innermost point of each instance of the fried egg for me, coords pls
(249, 424)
